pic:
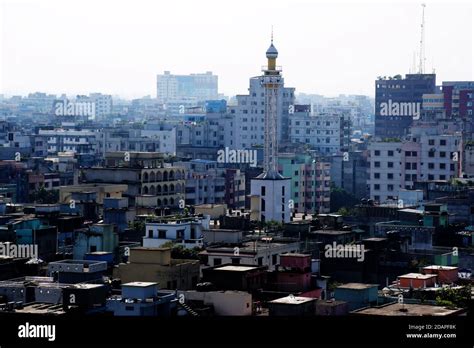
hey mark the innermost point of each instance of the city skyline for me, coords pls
(108, 56)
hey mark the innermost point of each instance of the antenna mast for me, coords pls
(421, 68)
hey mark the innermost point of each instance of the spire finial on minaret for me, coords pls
(272, 33)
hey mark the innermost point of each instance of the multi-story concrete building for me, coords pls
(140, 140)
(256, 253)
(398, 102)
(247, 128)
(157, 265)
(200, 87)
(398, 164)
(145, 173)
(349, 172)
(103, 104)
(206, 183)
(187, 231)
(459, 98)
(329, 134)
(80, 141)
(310, 182)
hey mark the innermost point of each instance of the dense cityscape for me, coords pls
(193, 203)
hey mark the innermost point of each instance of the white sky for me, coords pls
(326, 47)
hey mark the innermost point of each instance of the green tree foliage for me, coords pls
(340, 198)
(454, 297)
(42, 196)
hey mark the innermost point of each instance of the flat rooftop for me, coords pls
(374, 239)
(235, 268)
(396, 309)
(293, 300)
(436, 267)
(331, 232)
(40, 309)
(417, 276)
(357, 286)
(140, 284)
(295, 255)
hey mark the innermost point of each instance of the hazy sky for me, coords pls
(326, 47)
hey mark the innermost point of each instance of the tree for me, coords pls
(454, 297)
(42, 196)
(340, 198)
(138, 226)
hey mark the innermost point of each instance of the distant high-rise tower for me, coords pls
(270, 191)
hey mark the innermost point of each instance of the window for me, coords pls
(274, 259)
(179, 234)
(430, 177)
(377, 164)
(408, 153)
(236, 260)
(260, 261)
(442, 142)
(162, 234)
(442, 154)
(390, 153)
(150, 233)
(377, 153)
(442, 166)
(376, 175)
(442, 177)
(390, 164)
(262, 191)
(377, 187)
(390, 187)
(390, 176)
(217, 261)
(431, 165)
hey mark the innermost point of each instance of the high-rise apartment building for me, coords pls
(200, 87)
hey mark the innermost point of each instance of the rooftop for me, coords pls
(235, 268)
(41, 309)
(293, 300)
(396, 309)
(446, 268)
(417, 276)
(140, 284)
(357, 286)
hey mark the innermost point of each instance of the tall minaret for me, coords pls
(272, 83)
(270, 191)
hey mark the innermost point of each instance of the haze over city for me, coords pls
(118, 47)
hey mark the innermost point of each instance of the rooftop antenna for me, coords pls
(421, 68)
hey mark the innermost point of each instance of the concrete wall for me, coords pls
(230, 303)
